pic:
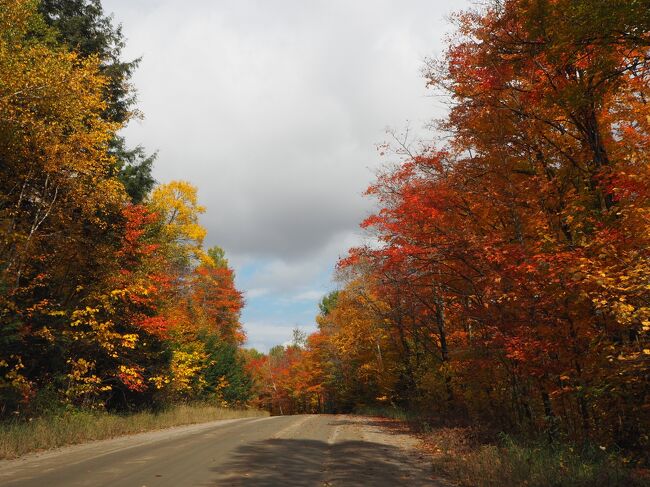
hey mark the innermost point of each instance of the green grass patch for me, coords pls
(72, 427)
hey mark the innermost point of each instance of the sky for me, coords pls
(274, 110)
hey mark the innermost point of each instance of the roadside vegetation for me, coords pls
(462, 457)
(473, 456)
(76, 426)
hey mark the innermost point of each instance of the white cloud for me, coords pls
(263, 335)
(281, 276)
(312, 295)
(257, 292)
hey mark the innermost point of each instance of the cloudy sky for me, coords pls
(274, 109)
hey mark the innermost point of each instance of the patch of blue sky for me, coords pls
(272, 312)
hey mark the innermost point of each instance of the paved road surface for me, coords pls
(282, 451)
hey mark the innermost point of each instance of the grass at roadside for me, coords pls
(459, 457)
(465, 458)
(20, 437)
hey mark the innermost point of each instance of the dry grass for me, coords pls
(460, 458)
(18, 438)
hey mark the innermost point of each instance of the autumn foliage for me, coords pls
(103, 302)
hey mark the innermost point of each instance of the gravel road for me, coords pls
(307, 450)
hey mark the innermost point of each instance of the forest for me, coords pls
(505, 281)
(108, 298)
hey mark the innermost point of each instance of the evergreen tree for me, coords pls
(83, 26)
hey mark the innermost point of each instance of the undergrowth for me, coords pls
(506, 461)
(468, 457)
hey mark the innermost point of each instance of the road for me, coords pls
(306, 450)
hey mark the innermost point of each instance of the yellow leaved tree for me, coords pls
(59, 198)
(177, 203)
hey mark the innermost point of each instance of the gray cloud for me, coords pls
(273, 109)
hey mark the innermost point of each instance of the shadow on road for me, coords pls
(285, 462)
